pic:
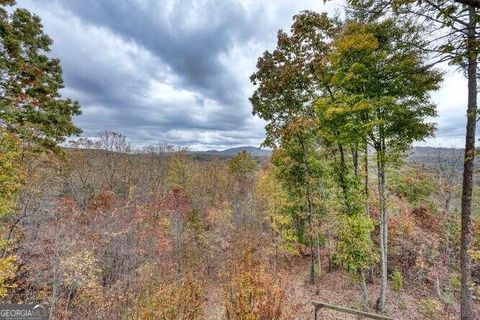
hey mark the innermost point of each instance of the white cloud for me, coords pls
(451, 101)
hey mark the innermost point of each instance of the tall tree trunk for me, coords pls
(355, 159)
(383, 227)
(363, 289)
(448, 200)
(363, 280)
(467, 312)
(342, 178)
(319, 261)
(330, 250)
(365, 168)
(366, 191)
(306, 171)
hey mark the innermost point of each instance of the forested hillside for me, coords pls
(338, 206)
(112, 234)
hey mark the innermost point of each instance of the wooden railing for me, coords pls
(368, 315)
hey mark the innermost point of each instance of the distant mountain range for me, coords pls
(433, 156)
(418, 155)
(254, 151)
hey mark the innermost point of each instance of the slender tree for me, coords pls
(453, 37)
(299, 167)
(383, 80)
(340, 129)
(287, 87)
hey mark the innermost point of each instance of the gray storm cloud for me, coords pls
(174, 70)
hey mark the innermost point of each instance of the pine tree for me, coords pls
(31, 106)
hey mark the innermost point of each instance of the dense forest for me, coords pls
(343, 210)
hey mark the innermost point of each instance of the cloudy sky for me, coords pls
(177, 71)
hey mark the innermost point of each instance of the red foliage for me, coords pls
(425, 219)
(105, 200)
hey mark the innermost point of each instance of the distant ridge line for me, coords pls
(255, 151)
(415, 153)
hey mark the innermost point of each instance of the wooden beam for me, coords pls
(320, 305)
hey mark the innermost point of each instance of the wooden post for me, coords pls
(317, 307)
(320, 305)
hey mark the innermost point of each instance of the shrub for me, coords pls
(414, 185)
(455, 282)
(11, 177)
(7, 274)
(430, 308)
(354, 249)
(397, 280)
(167, 297)
(252, 293)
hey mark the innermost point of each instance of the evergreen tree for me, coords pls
(31, 106)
